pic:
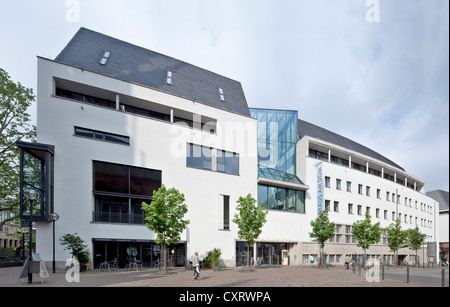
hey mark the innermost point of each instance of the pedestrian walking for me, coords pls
(311, 260)
(347, 261)
(196, 265)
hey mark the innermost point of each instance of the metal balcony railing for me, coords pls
(118, 218)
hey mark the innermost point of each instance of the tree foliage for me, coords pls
(250, 220)
(396, 238)
(365, 233)
(322, 230)
(164, 216)
(415, 239)
(77, 247)
(14, 126)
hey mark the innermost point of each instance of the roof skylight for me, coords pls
(105, 58)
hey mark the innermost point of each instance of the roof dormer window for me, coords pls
(169, 78)
(222, 97)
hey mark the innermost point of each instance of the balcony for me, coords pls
(118, 218)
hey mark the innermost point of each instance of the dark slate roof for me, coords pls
(441, 197)
(135, 64)
(308, 129)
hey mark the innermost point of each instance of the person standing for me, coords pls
(311, 260)
(347, 261)
(196, 265)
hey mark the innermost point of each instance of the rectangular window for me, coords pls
(119, 191)
(201, 157)
(121, 179)
(327, 182)
(113, 178)
(338, 184)
(198, 156)
(291, 201)
(300, 201)
(350, 208)
(336, 206)
(281, 199)
(271, 198)
(226, 212)
(348, 229)
(227, 162)
(262, 196)
(349, 186)
(103, 136)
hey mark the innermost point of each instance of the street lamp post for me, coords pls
(32, 195)
(54, 217)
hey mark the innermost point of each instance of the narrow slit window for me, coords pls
(169, 78)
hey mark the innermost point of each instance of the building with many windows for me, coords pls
(442, 198)
(351, 180)
(117, 121)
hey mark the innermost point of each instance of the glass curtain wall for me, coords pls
(277, 138)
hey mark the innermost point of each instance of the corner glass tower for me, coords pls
(277, 138)
(278, 186)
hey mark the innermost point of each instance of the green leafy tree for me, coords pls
(322, 230)
(250, 220)
(14, 126)
(164, 216)
(365, 233)
(396, 238)
(415, 239)
(77, 247)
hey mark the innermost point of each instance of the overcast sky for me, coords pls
(376, 72)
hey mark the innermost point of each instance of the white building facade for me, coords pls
(354, 179)
(124, 120)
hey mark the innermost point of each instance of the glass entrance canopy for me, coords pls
(271, 173)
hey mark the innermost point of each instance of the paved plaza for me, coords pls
(290, 276)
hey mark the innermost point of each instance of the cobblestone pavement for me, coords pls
(291, 276)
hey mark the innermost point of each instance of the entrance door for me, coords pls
(147, 255)
(180, 252)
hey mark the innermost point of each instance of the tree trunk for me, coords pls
(164, 266)
(248, 267)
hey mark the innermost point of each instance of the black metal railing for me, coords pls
(118, 218)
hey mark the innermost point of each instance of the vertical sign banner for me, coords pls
(319, 188)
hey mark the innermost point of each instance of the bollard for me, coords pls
(407, 275)
(443, 277)
(382, 272)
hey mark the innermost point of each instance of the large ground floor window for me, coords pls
(147, 252)
(266, 253)
(269, 253)
(242, 253)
